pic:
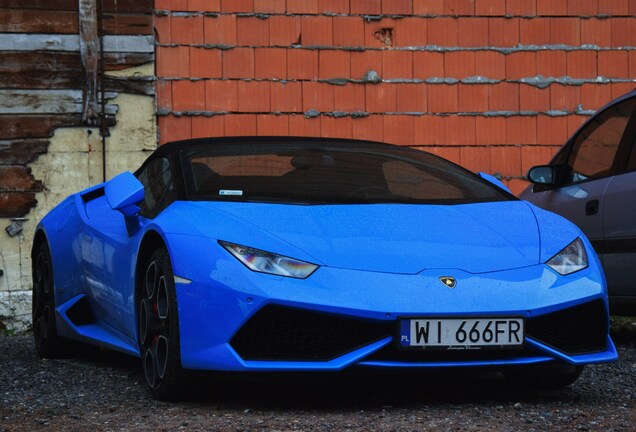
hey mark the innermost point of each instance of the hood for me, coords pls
(395, 238)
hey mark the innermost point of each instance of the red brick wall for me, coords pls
(297, 67)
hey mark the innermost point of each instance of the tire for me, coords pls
(158, 328)
(552, 377)
(47, 343)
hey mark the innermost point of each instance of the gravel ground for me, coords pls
(102, 391)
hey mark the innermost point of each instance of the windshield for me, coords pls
(312, 173)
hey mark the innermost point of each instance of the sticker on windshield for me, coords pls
(230, 192)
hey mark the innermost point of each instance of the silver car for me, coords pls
(592, 182)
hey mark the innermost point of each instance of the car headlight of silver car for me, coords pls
(571, 259)
(267, 262)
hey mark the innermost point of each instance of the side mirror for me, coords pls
(494, 180)
(124, 192)
(542, 175)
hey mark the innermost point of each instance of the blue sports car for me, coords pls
(301, 254)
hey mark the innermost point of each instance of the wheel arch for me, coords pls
(39, 238)
(151, 242)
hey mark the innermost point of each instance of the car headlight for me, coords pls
(266, 262)
(571, 259)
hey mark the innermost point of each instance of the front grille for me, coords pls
(577, 330)
(391, 353)
(282, 333)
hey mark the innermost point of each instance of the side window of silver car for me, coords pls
(595, 147)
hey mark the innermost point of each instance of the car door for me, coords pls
(587, 165)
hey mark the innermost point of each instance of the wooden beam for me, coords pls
(21, 152)
(59, 42)
(138, 6)
(89, 53)
(42, 126)
(18, 178)
(16, 204)
(46, 102)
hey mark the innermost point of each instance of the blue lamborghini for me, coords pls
(315, 254)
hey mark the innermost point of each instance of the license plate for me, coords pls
(461, 333)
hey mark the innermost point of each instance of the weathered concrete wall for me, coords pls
(73, 162)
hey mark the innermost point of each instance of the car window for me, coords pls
(158, 186)
(595, 146)
(313, 174)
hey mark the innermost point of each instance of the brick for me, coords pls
(632, 7)
(623, 33)
(238, 63)
(270, 63)
(379, 34)
(503, 32)
(563, 97)
(284, 30)
(490, 7)
(173, 5)
(490, 130)
(187, 29)
(411, 32)
(253, 96)
(442, 31)
(302, 127)
(399, 129)
(252, 31)
(473, 32)
(220, 29)
(333, 6)
(302, 64)
(397, 7)
(632, 64)
(473, 97)
(221, 95)
(594, 96)
(521, 8)
(286, 97)
(503, 97)
(459, 64)
(516, 186)
(425, 127)
(551, 130)
(583, 7)
(240, 124)
(381, 97)
(397, 64)
(521, 64)
(428, 64)
(535, 31)
(317, 30)
(596, 32)
(173, 128)
(348, 31)
(411, 98)
(533, 98)
(368, 128)
(428, 7)
(334, 64)
(506, 161)
(275, 6)
(536, 155)
(364, 61)
(318, 96)
(366, 7)
(205, 63)
(237, 5)
(164, 95)
(565, 31)
(521, 130)
(619, 89)
(575, 122)
(204, 5)
(302, 6)
(476, 159)
(491, 64)
(461, 130)
(459, 7)
(581, 64)
(448, 153)
(203, 127)
(552, 7)
(551, 63)
(613, 7)
(272, 125)
(162, 29)
(173, 61)
(332, 127)
(349, 98)
(442, 98)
